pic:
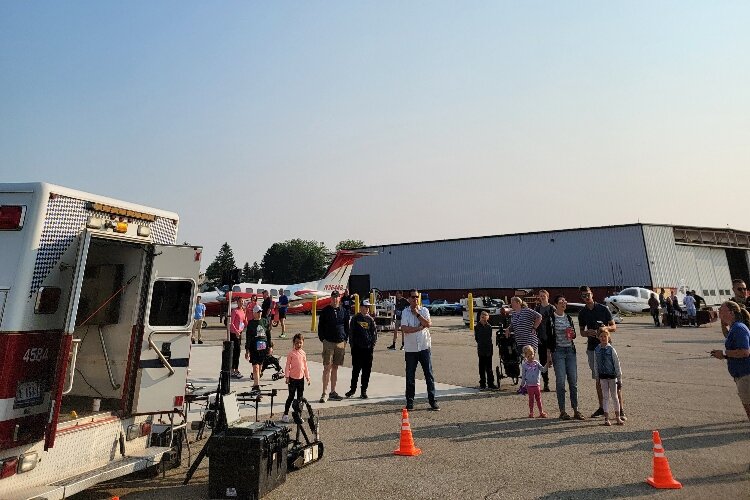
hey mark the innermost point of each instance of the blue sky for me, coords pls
(383, 121)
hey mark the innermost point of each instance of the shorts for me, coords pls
(257, 357)
(333, 353)
(282, 314)
(398, 323)
(743, 389)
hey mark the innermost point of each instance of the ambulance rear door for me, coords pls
(165, 346)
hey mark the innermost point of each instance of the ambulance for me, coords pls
(96, 305)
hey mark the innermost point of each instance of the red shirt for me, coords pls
(238, 322)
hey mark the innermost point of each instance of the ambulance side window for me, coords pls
(170, 303)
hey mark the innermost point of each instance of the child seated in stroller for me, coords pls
(273, 361)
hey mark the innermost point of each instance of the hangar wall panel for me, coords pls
(662, 255)
(705, 270)
(614, 256)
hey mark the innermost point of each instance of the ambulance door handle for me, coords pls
(161, 357)
(76, 345)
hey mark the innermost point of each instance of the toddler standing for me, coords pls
(531, 377)
(607, 371)
(296, 373)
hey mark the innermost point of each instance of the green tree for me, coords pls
(246, 272)
(294, 261)
(255, 274)
(349, 244)
(224, 261)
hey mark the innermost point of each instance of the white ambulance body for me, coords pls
(96, 304)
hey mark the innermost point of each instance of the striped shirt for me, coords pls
(522, 325)
(561, 325)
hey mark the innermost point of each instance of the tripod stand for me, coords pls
(220, 415)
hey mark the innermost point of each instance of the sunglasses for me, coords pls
(585, 295)
(742, 288)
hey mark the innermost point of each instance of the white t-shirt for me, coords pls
(418, 341)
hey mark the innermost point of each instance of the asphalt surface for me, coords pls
(483, 445)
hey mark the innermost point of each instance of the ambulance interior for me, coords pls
(107, 310)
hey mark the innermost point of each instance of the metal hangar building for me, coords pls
(605, 258)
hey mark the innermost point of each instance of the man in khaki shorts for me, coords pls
(333, 331)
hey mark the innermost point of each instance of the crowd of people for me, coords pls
(544, 335)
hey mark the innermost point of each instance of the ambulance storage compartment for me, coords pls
(109, 296)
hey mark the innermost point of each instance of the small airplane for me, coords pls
(300, 294)
(633, 299)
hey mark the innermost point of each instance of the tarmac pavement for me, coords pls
(483, 445)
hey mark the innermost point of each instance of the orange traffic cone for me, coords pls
(406, 446)
(662, 477)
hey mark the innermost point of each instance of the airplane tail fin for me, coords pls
(337, 275)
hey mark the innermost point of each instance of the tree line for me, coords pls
(291, 261)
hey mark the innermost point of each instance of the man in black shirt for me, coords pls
(401, 304)
(267, 311)
(590, 318)
(333, 331)
(362, 341)
(545, 309)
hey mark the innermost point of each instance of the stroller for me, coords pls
(271, 361)
(510, 359)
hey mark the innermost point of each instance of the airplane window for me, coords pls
(236, 289)
(630, 291)
(712, 292)
(274, 292)
(705, 292)
(644, 294)
(248, 290)
(261, 290)
(287, 293)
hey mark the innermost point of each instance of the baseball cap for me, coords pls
(335, 293)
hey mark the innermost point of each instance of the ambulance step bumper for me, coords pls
(76, 484)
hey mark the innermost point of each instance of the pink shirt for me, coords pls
(296, 365)
(238, 322)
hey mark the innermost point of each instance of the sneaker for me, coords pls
(334, 396)
(285, 418)
(410, 406)
(363, 395)
(622, 415)
(392, 347)
(482, 387)
(350, 393)
(402, 347)
(577, 415)
(434, 406)
(200, 341)
(322, 398)
(546, 388)
(565, 416)
(542, 415)
(255, 389)
(192, 341)
(492, 387)
(282, 336)
(598, 413)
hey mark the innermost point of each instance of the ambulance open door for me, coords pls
(165, 347)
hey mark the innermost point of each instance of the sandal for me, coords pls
(607, 423)
(565, 416)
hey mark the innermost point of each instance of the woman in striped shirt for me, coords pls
(523, 324)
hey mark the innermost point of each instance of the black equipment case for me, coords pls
(247, 462)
